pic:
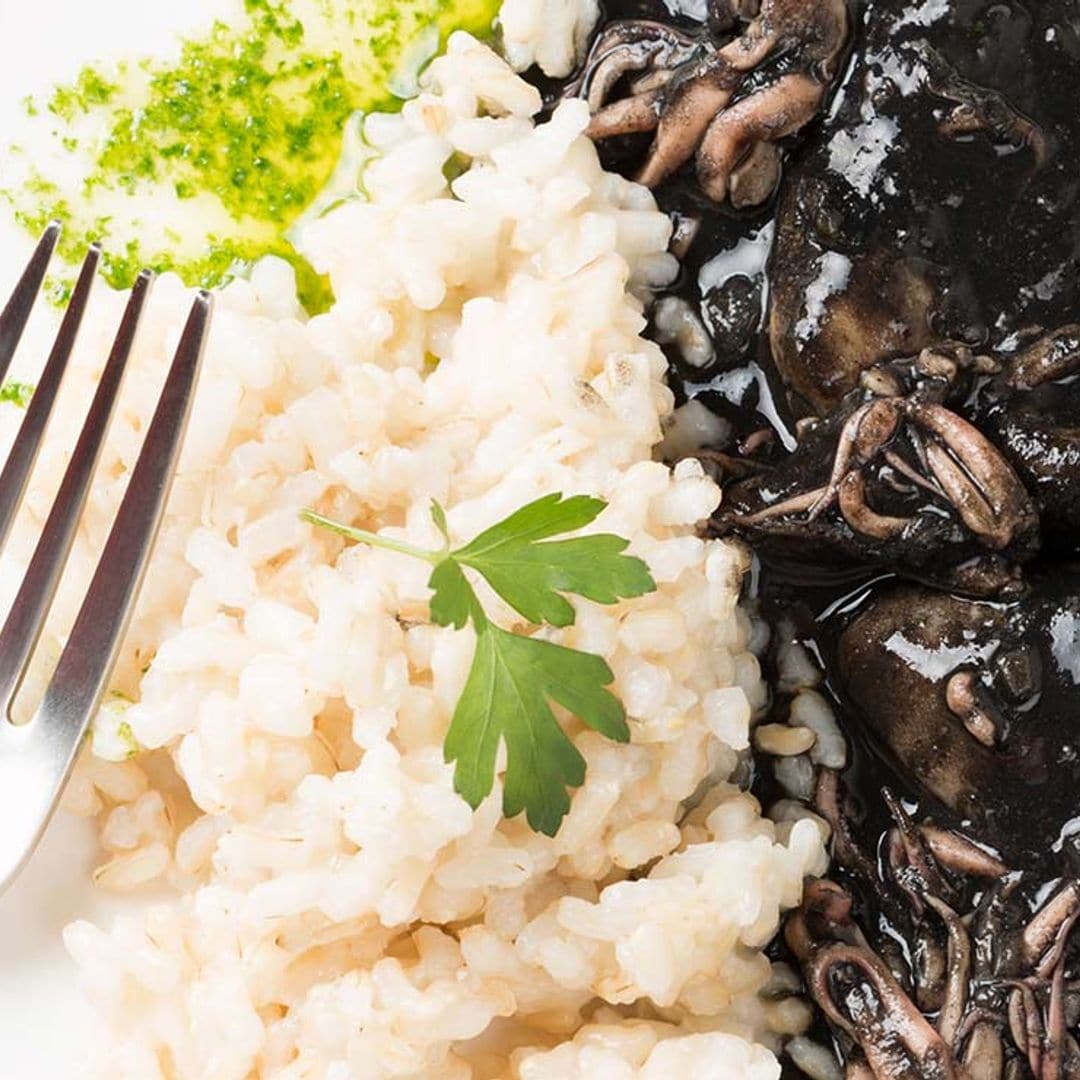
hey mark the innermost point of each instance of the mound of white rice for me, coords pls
(553, 34)
(338, 912)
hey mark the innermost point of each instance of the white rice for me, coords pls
(552, 34)
(336, 910)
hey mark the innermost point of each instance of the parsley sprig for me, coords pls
(515, 677)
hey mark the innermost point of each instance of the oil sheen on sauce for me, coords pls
(998, 239)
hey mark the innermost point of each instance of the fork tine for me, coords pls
(31, 606)
(37, 757)
(16, 312)
(27, 443)
(86, 662)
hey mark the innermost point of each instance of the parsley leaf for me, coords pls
(438, 515)
(452, 598)
(515, 678)
(530, 575)
(506, 696)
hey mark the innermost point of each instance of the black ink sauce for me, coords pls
(935, 233)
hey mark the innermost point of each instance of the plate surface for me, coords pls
(47, 1029)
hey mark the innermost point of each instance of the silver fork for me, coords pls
(36, 758)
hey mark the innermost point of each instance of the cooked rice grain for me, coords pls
(340, 912)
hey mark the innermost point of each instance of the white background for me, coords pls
(46, 1026)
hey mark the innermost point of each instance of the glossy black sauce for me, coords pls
(988, 224)
(991, 220)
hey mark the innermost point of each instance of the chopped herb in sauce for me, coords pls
(16, 393)
(201, 165)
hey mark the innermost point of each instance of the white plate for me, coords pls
(47, 1029)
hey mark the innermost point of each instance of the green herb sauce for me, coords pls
(232, 141)
(16, 393)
